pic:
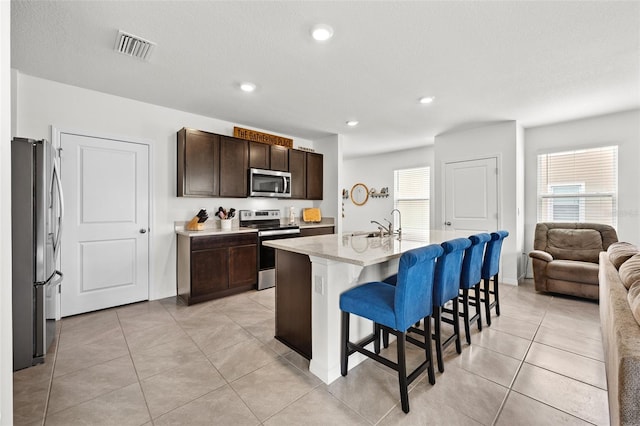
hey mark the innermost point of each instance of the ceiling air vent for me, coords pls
(135, 46)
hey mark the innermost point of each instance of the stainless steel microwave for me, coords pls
(269, 183)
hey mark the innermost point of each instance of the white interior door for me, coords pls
(105, 238)
(471, 196)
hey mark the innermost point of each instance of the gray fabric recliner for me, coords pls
(565, 257)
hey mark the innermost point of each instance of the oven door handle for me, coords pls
(278, 232)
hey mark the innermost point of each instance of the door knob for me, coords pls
(143, 231)
(448, 223)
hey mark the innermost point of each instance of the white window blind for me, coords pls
(579, 186)
(411, 197)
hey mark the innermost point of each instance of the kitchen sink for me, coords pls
(367, 234)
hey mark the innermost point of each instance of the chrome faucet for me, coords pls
(382, 228)
(399, 223)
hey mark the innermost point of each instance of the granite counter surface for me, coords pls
(357, 250)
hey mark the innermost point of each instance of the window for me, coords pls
(578, 186)
(411, 197)
(566, 209)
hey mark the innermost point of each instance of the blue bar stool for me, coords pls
(446, 287)
(490, 269)
(393, 309)
(471, 278)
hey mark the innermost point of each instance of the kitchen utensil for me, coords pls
(202, 216)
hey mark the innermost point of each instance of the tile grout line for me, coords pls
(227, 382)
(124, 336)
(53, 368)
(515, 376)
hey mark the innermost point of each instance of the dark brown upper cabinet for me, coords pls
(298, 170)
(268, 157)
(279, 158)
(314, 175)
(234, 162)
(198, 163)
(212, 165)
(259, 155)
(306, 170)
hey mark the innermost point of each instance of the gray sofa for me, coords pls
(619, 276)
(565, 257)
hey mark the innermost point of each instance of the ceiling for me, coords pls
(534, 62)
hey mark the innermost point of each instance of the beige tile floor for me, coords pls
(540, 363)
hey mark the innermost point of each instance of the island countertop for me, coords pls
(357, 249)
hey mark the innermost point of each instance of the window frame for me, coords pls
(418, 233)
(544, 213)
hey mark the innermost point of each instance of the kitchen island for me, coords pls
(312, 272)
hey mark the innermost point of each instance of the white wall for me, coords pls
(493, 140)
(6, 340)
(376, 171)
(622, 129)
(43, 103)
(331, 148)
(520, 195)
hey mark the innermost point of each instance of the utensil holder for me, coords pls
(225, 223)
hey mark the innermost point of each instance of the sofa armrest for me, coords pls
(542, 255)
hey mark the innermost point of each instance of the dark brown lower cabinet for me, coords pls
(214, 266)
(293, 301)
(321, 230)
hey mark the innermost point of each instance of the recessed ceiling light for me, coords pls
(427, 100)
(247, 87)
(321, 32)
(352, 123)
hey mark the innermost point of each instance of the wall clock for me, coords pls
(359, 194)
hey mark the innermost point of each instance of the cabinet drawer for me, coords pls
(218, 241)
(307, 232)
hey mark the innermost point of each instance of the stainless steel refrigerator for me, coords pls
(36, 216)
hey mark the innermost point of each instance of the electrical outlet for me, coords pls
(319, 284)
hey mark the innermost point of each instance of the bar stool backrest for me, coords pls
(472, 262)
(491, 265)
(448, 269)
(414, 289)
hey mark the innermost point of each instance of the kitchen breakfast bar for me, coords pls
(312, 272)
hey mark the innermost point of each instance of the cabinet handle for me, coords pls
(448, 223)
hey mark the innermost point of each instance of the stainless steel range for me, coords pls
(269, 228)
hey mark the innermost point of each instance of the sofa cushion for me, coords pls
(574, 271)
(574, 244)
(621, 252)
(634, 300)
(630, 271)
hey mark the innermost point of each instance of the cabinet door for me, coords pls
(258, 155)
(279, 158)
(314, 176)
(234, 160)
(298, 170)
(198, 161)
(243, 265)
(209, 271)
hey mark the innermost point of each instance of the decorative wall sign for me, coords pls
(255, 136)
